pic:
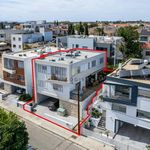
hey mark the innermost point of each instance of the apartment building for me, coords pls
(17, 69)
(58, 76)
(18, 41)
(110, 44)
(126, 95)
(5, 34)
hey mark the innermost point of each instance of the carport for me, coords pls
(134, 136)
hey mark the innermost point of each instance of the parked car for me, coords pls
(53, 104)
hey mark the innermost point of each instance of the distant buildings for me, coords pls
(18, 41)
(5, 34)
(110, 44)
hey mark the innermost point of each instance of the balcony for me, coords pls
(84, 93)
(10, 71)
(53, 77)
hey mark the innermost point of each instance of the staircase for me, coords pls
(101, 124)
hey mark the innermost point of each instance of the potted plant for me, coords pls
(95, 117)
(101, 97)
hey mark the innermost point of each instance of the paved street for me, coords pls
(42, 139)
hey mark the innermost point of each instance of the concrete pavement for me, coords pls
(41, 139)
(82, 141)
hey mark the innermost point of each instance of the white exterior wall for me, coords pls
(88, 42)
(25, 38)
(28, 75)
(17, 42)
(69, 85)
(143, 103)
(129, 117)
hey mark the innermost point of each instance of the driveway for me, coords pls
(66, 121)
(135, 137)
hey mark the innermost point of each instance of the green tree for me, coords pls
(71, 29)
(86, 29)
(13, 133)
(2, 26)
(131, 46)
(148, 147)
(100, 31)
(80, 28)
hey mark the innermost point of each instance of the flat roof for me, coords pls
(31, 53)
(137, 70)
(71, 57)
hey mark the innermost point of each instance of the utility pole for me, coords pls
(79, 109)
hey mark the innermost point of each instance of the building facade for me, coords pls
(58, 76)
(125, 96)
(111, 44)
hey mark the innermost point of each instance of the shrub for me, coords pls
(95, 113)
(25, 97)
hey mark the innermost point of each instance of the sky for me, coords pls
(74, 10)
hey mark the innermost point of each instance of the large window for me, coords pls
(8, 63)
(143, 114)
(93, 63)
(119, 108)
(143, 38)
(20, 64)
(102, 60)
(58, 73)
(147, 53)
(76, 70)
(119, 92)
(42, 68)
(42, 83)
(58, 87)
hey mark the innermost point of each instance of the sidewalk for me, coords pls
(85, 142)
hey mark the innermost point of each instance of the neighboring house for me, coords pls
(144, 36)
(18, 41)
(110, 44)
(33, 25)
(126, 95)
(110, 30)
(145, 43)
(58, 76)
(146, 50)
(4, 47)
(17, 69)
(5, 34)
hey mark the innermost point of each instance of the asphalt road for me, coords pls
(42, 139)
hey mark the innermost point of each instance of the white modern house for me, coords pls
(126, 96)
(110, 44)
(58, 76)
(19, 40)
(17, 69)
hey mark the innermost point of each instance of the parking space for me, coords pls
(135, 137)
(66, 121)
